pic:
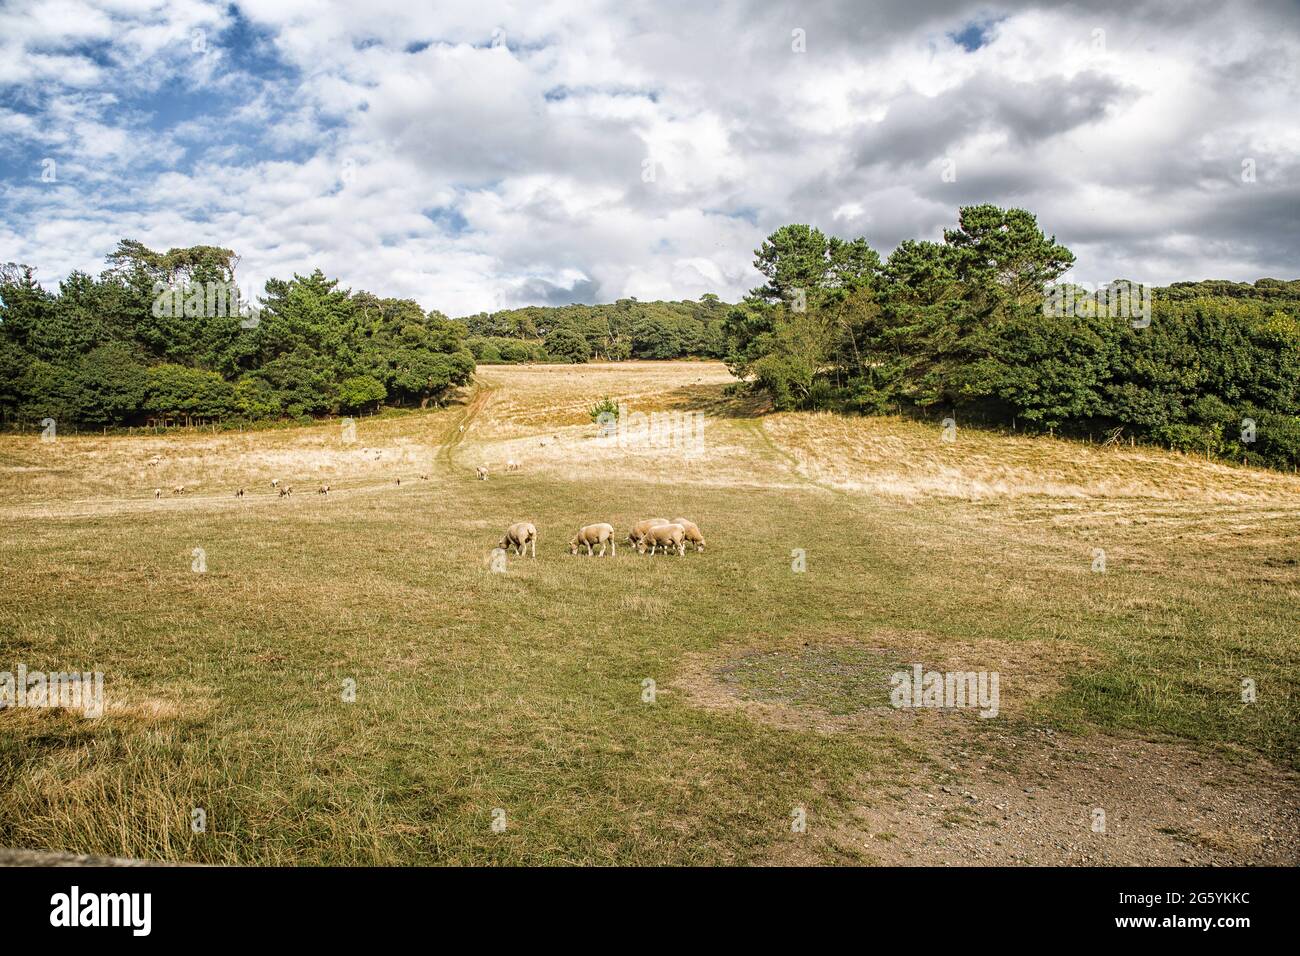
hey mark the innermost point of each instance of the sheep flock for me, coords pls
(652, 534)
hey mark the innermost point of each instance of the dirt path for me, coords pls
(455, 433)
(969, 792)
(1042, 799)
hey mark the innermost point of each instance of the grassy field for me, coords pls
(521, 697)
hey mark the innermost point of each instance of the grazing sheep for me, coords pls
(157, 492)
(286, 492)
(512, 465)
(518, 535)
(239, 493)
(178, 490)
(482, 472)
(666, 536)
(323, 490)
(594, 534)
(275, 482)
(424, 477)
(693, 534)
(641, 527)
(155, 460)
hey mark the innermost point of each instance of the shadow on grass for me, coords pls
(719, 401)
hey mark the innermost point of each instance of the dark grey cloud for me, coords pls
(920, 129)
(542, 292)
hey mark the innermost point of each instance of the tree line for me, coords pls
(973, 326)
(625, 329)
(166, 337)
(976, 325)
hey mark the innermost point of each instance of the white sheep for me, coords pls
(323, 490)
(482, 472)
(275, 482)
(512, 465)
(518, 536)
(666, 536)
(692, 531)
(592, 535)
(641, 527)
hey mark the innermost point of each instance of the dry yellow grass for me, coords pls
(539, 416)
(909, 460)
(88, 474)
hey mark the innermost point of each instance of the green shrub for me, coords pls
(606, 406)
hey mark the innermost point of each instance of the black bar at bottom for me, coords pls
(334, 906)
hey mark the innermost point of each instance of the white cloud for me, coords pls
(503, 158)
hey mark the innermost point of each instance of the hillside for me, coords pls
(840, 551)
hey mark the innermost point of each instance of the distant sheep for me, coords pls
(239, 493)
(178, 490)
(592, 535)
(286, 492)
(641, 527)
(518, 536)
(275, 482)
(482, 472)
(670, 537)
(692, 531)
(323, 490)
(157, 492)
(512, 465)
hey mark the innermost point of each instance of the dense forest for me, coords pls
(165, 338)
(969, 326)
(579, 333)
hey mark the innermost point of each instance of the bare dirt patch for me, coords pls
(842, 683)
(1033, 797)
(1002, 791)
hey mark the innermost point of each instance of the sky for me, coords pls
(487, 155)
